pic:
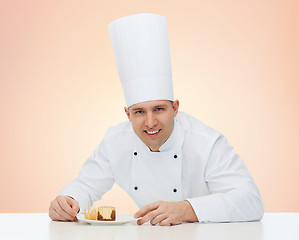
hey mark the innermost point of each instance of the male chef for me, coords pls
(173, 166)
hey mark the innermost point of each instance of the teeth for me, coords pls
(153, 132)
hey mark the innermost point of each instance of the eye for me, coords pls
(138, 112)
(159, 109)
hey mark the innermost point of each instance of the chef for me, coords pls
(173, 166)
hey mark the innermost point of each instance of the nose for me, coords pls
(150, 120)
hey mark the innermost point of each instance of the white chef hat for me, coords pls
(141, 50)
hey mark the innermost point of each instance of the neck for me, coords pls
(154, 150)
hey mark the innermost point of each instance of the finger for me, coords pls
(149, 216)
(54, 215)
(165, 222)
(75, 206)
(57, 210)
(159, 218)
(143, 211)
(57, 207)
(66, 204)
(170, 222)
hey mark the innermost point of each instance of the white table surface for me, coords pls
(33, 226)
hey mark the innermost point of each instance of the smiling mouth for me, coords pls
(152, 133)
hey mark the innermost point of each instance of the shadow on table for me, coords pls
(78, 230)
(204, 231)
(188, 231)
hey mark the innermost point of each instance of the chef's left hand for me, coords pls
(165, 213)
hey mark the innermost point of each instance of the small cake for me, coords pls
(106, 213)
(91, 214)
(102, 213)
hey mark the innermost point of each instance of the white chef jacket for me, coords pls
(196, 163)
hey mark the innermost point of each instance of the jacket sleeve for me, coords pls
(234, 195)
(94, 180)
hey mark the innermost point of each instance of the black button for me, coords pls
(135, 153)
(135, 188)
(174, 190)
(175, 156)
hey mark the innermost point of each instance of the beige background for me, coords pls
(235, 67)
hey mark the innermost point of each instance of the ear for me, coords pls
(127, 112)
(175, 106)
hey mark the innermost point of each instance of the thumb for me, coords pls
(73, 203)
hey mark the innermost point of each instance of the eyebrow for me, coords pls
(158, 106)
(134, 109)
(162, 105)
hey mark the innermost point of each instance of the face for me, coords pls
(153, 121)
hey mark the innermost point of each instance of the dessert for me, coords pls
(91, 214)
(102, 213)
(106, 213)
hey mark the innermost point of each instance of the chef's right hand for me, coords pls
(64, 208)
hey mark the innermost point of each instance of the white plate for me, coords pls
(120, 219)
